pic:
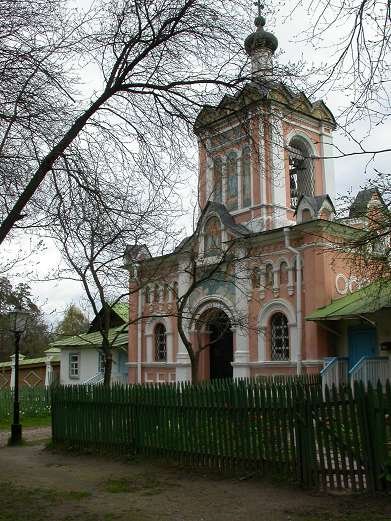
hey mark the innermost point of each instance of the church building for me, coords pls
(261, 258)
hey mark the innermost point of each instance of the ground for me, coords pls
(38, 484)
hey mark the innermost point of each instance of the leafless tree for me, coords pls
(357, 38)
(157, 63)
(96, 209)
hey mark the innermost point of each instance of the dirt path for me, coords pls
(69, 487)
(29, 434)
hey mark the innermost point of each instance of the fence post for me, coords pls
(304, 439)
(361, 394)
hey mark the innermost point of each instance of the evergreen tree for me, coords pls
(73, 323)
(37, 336)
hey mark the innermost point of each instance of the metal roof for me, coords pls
(118, 336)
(366, 300)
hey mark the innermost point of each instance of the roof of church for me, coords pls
(260, 39)
(255, 91)
(226, 218)
(359, 207)
(315, 201)
(135, 251)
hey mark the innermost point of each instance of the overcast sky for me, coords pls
(351, 172)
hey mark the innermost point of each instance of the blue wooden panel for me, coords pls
(362, 342)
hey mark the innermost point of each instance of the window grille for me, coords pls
(160, 343)
(279, 337)
(74, 365)
(301, 172)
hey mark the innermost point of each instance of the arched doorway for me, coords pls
(218, 326)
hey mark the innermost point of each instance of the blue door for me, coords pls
(362, 342)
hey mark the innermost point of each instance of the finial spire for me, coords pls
(260, 7)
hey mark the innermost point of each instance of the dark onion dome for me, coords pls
(261, 39)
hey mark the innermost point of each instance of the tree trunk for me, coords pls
(108, 360)
(46, 164)
(194, 368)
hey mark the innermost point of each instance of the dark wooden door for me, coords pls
(220, 352)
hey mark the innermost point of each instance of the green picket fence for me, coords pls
(33, 402)
(340, 440)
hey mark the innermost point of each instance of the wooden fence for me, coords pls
(33, 402)
(340, 440)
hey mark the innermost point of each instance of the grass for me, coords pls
(27, 422)
(145, 483)
(33, 504)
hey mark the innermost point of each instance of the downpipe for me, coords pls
(299, 284)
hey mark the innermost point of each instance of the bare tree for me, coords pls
(158, 62)
(96, 210)
(357, 37)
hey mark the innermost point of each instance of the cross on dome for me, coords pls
(260, 7)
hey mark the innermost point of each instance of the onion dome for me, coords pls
(261, 39)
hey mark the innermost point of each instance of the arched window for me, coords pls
(160, 343)
(269, 276)
(283, 273)
(174, 291)
(301, 170)
(212, 240)
(165, 292)
(232, 181)
(147, 294)
(256, 278)
(306, 215)
(246, 177)
(279, 337)
(156, 293)
(217, 189)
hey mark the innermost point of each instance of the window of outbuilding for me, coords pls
(74, 365)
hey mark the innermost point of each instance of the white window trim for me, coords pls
(74, 376)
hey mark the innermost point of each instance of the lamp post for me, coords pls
(18, 319)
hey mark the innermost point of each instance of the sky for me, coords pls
(351, 172)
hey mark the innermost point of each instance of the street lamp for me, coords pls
(17, 325)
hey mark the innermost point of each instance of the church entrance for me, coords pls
(221, 345)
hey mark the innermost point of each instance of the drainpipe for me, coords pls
(139, 298)
(139, 311)
(298, 299)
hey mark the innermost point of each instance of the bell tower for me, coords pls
(263, 148)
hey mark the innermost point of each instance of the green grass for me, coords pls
(33, 504)
(145, 483)
(28, 422)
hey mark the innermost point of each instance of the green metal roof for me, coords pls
(118, 336)
(122, 310)
(366, 300)
(32, 361)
